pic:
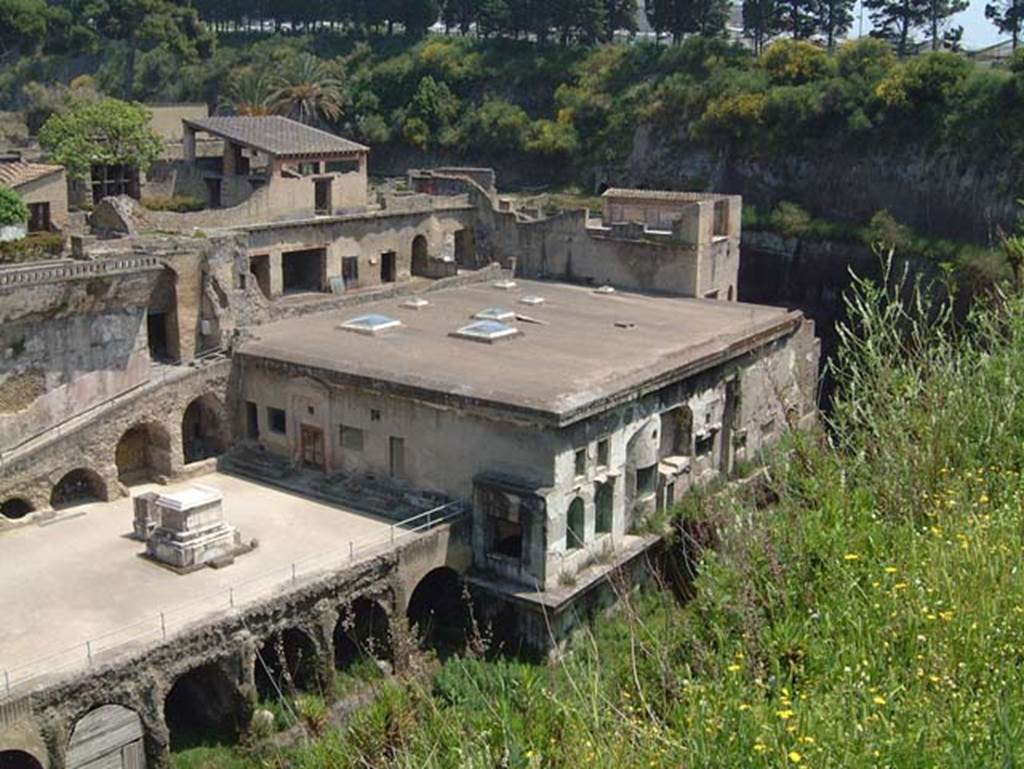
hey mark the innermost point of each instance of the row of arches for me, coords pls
(143, 454)
(208, 705)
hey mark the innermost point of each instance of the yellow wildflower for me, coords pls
(785, 715)
(794, 757)
(851, 557)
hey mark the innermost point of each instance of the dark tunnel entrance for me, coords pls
(203, 708)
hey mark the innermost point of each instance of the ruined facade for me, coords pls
(552, 377)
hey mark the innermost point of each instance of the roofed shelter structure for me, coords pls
(274, 167)
(43, 187)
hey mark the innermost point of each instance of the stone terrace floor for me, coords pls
(79, 577)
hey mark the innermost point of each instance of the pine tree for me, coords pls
(682, 17)
(760, 22)
(1008, 17)
(896, 20)
(620, 14)
(833, 19)
(939, 14)
(797, 18)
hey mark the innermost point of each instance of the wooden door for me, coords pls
(313, 447)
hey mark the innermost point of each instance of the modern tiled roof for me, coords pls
(19, 172)
(276, 135)
(669, 195)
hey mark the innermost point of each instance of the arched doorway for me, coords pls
(363, 632)
(142, 454)
(15, 508)
(109, 736)
(202, 429)
(439, 612)
(287, 662)
(575, 521)
(78, 487)
(203, 707)
(420, 259)
(18, 759)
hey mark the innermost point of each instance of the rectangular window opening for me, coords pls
(580, 462)
(646, 479)
(603, 452)
(277, 420)
(252, 421)
(506, 537)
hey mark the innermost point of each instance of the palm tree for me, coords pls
(308, 92)
(249, 93)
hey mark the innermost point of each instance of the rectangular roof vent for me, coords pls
(370, 324)
(532, 300)
(415, 303)
(504, 285)
(605, 290)
(487, 331)
(495, 313)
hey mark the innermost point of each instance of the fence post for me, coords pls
(163, 626)
(231, 597)
(392, 534)
(7, 682)
(293, 573)
(351, 550)
(88, 651)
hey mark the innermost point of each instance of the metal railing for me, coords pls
(32, 274)
(159, 627)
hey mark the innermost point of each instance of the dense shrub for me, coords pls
(33, 247)
(12, 208)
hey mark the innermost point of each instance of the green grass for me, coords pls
(874, 617)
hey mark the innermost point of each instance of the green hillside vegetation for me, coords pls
(569, 108)
(872, 617)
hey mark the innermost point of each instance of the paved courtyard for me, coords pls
(80, 577)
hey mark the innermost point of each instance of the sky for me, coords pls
(978, 31)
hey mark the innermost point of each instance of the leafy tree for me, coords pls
(13, 210)
(1008, 16)
(761, 22)
(22, 26)
(308, 91)
(105, 131)
(833, 19)
(580, 19)
(418, 15)
(794, 62)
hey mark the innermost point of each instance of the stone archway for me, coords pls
(203, 429)
(203, 706)
(18, 759)
(143, 454)
(287, 662)
(81, 486)
(16, 507)
(420, 257)
(363, 631)
(108, 736)
(439, 612)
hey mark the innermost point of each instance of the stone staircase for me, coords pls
(358, 494)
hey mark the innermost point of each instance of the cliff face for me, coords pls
(937, 194)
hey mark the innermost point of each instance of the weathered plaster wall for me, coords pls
(69, 344)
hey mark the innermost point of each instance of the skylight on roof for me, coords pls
(504, 285)
(415, 303)
(487, 331)
(531, 299)
(605, 290)
(495, 313)
(370, 324)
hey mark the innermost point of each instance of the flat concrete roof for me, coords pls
(80, 578)
(586, 351)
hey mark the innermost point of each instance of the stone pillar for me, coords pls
(230, 158)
